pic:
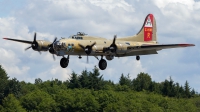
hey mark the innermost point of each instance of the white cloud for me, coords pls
(162, 4)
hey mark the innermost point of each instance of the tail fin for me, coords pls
(147, 33)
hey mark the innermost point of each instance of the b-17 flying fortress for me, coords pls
(81, 44)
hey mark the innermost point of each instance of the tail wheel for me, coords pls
(137, 58)
(64, 62)
(102, 64)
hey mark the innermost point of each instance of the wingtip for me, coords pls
(5, 38)
(186, 45)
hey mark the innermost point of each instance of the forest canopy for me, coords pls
(88, 91)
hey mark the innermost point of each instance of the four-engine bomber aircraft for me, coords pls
(143, 43)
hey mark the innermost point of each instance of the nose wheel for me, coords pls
(102, 64)
(64, 62)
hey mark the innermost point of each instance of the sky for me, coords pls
(178, 21)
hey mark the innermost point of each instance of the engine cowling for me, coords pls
(41, 45)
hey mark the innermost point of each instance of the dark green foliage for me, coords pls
(187, 90)
(3, 83)
(84, 80)
(14, 87)
(73, 82)
(125, 80)
(11, 104)
(90, 80)
(38, 101)
(89, 92)
(142, 82)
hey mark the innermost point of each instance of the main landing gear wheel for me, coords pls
(137, 58)
(64, 62)
(102, 64)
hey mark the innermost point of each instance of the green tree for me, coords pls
(95, 80)
(38, 101)
(155, 87)
(74, 82)
(3, 83)
(143, 81)
(14, 87)
(38, 81)
(193, 92)
(168, 88)
(125, 80)
(187, 90)
(11, 104)
(84, 79)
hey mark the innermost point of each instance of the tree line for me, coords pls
(88, 91)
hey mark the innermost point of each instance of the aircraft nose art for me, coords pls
(148, 28)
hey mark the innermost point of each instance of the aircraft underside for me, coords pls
(102, 62)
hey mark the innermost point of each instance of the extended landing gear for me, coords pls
(137, 58)
(102, 64)
(64, 62)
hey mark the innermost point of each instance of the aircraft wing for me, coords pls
(17, 40)
(145, 47)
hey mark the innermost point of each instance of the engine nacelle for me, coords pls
(96, 49)
(109, 57)
(121, 48)
(41, 45)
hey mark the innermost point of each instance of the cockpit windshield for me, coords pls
(59, 46)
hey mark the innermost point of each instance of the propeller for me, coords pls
(113, 46)
(51, 49)
(34, 44)
(87, 49)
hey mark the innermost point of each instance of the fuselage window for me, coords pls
(127, 43)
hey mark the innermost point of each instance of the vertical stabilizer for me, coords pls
(147, 33)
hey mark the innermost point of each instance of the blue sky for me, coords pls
(177, 22)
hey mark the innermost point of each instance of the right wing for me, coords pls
(145, 47)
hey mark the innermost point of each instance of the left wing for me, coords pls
(145, 47)
(17, 40)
